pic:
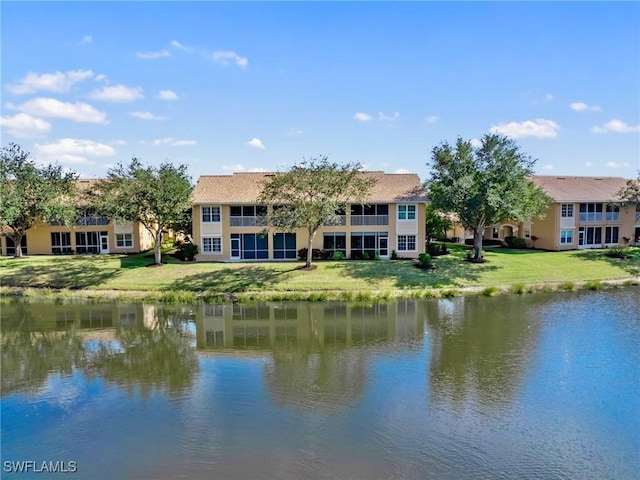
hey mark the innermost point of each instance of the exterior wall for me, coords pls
(223, 230)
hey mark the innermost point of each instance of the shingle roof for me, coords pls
(245, 188)
(580, 189)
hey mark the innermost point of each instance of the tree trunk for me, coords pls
(17, 242)
(478, 232)
(157, 248)
(310, 248)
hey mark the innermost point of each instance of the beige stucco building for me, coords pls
(228, 222)
(583, 214)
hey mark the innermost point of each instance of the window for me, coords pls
(406, 243)
(495, 233)
(210, 214)
(611, 235)
(334, 242)
(87, 242)
(251, 246)
(60, 243)
(371, 243)
(211, 245)
(566, 237)
(124, 240)
(527, 233)
(590, 212)
(11, 246)
(406, 212)
(376, 214)
(247, 215)
(284, 245)
(613, 213)
(567, 210)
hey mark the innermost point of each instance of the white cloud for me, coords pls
(238, 167)
(87, 39)
(539, 128)
(617, 126)
(24, 126)
(73, 150)
(362, 117)
(178, 45)
(117, 93)
(172, 142)
(224, 57)
(50, 107)
(146, 116)
(581, 107)
(432, 119)
(401, 170)
(294, 132)
(153, 55)
(617, 165)
(548, 166)
(475, 143)
(257, 169)
(384, 118)
(256, 143)
(58, 82)
(100, 78)
(548, 97)
(167, 95)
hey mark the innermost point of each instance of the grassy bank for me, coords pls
(517, 271)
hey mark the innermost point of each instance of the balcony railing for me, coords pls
(247, 222)
(369, 219)
(91, 221)
(339, 220)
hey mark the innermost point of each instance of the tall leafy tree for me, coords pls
(309, 194)
(32, 194)
(629, 195)
(436, 223)
(158, 198)
(484, 185)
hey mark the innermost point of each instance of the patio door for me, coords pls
(104, 242)
(383, 246)
(235, 247)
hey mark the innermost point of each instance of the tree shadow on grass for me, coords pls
(81, 273)
(450, 271)
(631, 265)
(232, 279)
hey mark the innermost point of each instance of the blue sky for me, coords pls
(236, 86)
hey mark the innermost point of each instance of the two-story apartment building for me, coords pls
(228, 223)
(91, 233)
(582, 214)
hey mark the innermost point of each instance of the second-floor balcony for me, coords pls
(369, 219)
(337, 221)
(247, 222)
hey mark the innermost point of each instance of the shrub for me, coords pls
(486, 242)
(365, 256)
(424, 259)
(394, 255)
(515, 242)
(187, 251)
(338, 256)
(316, 254)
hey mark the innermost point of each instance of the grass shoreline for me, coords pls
(122, 277)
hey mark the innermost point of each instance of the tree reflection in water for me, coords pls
(155, 351)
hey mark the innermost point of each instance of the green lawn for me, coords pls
(504, 268)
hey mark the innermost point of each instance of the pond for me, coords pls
(543, 386)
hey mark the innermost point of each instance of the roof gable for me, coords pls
(580, 189)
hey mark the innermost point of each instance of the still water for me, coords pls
(530, 387)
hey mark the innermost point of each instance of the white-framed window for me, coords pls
(406, 243)
(613, 213)
(495, 233)
(527, 233)
(611, 235)
(210, 214)
(590, 212)
(566, 210)
(124, 240)
(566, 237)
(211, 245)
(406, 212)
